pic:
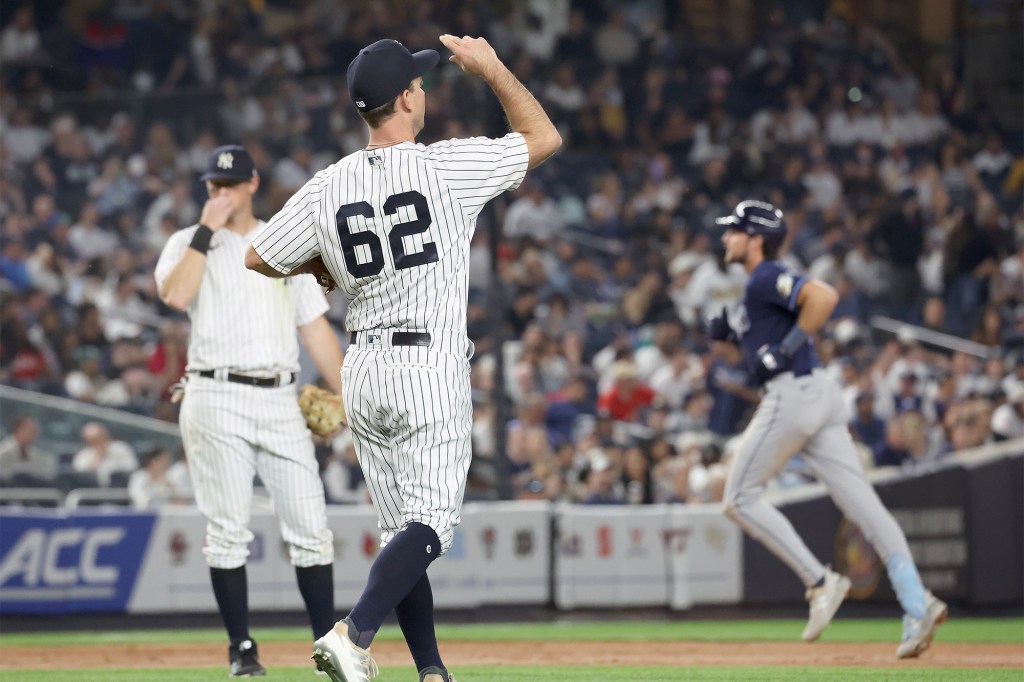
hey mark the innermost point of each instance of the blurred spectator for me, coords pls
(14, 264)
(865, 426)
(627, 396)
(674, 484)
(532, 214)
(102, 456)
(153, 486)
(565, 411)
(22, 462)
(970, 260)
(992, 163)
(899, 240)
(1008, 418)
(894, 450)
(674, 380)
(86, 380)
(908, 398)
(636, 477)
(19, 42)
(603, 486)
(968, 423)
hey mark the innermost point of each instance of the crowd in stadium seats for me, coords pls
(898, 191)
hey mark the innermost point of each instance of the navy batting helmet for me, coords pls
(757, 218)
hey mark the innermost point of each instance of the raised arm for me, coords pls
(525, 114)
(180, 287)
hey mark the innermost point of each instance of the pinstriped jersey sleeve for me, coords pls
(289, 238)
(310, 302)
(173, 252)
(477, 169)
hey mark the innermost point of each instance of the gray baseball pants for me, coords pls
(805, 414)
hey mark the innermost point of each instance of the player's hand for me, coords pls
(216, 212)
(472, 55)
(318, 269)
(718, 327)
(770, 361)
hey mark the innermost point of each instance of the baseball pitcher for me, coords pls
(802, 411)
(390, 225)
(239, 414)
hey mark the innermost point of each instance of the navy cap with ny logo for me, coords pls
(230, 162)
(382, 70)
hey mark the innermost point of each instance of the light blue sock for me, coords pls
(907, 584)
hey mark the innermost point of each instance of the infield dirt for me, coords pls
(462, 653)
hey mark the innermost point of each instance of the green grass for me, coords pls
(967, 630)
(1009, 630)
(545, 674)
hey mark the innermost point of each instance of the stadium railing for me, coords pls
(61, 421)
(31, 497)
(93, 497)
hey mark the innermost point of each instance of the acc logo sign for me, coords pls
(37, 557)
(52, 564)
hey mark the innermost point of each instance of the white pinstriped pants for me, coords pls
(411, 415)
(231, 432)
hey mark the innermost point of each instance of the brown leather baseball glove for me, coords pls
(323, 411)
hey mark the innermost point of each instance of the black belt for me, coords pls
(402, 338)
(259, 382)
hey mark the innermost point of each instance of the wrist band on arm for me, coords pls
(793, 340)
(201, 239)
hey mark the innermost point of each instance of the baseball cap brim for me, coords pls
(730, 220)
(223, 176)
(424, 61)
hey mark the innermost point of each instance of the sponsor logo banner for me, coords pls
(55, 563)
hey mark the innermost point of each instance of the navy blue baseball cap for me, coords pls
(230, 162)
(381, 71)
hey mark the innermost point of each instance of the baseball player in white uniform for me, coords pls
(239, 415)
(391, 225)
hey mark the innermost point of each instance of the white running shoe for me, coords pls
(918, 634)
(825, 601)
(336, 655)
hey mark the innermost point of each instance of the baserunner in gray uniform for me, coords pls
(802, 411)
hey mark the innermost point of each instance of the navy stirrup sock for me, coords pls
(231, 588)
(395, 571)
(316, 584)
(416, 618)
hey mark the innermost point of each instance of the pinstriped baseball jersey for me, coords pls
(241, 320)
(393, 226)
(246, 323)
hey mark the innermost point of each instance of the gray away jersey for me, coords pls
(241, 320)
(393, 226)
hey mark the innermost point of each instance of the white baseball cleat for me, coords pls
(336, 655)
(918, 634)
(825, 601)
